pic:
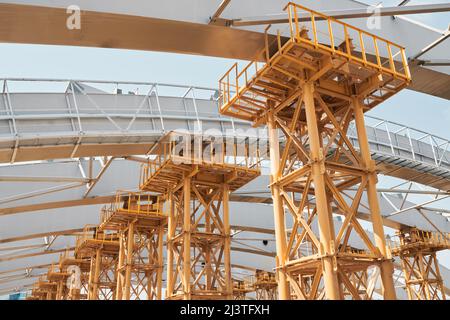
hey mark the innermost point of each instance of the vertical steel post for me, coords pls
(129, 261)
(160, 263)
(120, 278)
(94, 282)
(280, 227)
(227, 240)
(170, 234)
(386, 267)
(187, 238)
(325, 219)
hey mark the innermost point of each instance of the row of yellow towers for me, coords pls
(185, 190)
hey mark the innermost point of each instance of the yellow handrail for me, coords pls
(215, 153)
(233, 77)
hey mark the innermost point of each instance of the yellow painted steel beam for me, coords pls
(28, 255)
(44, 25)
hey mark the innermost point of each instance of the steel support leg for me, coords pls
(325, 223)
(279, 219)
(386, 267)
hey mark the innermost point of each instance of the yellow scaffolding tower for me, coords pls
(44, 289)
(78, 267)
(103, 250)
(265, 285)
(59, 276)
(308, 89)
(196, 176)
(139, 218)
(36, 293)
(241, 288)
(417, 251)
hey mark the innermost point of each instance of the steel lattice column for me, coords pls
(102, 249)
(102, 277)
(308, 91)
(417, 251)
(199, 243)
(196, 174)
(266, 286)
(140, 263)
(328, 165)
(139, 220)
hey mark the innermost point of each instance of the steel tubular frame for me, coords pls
(58, 274)
(265, 284)
(141, 223)
(196, 177)
(417, 252)
(83, 264)
(102, 276)
(241, 288)
(102, 249)
(140, 264)
(309, 91)
(61, 282)
(199, 252)
(422, 277)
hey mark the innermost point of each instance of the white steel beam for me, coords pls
(346, 14)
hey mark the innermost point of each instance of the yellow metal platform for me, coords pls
(341, 59)
(90, 241)
(416, 240)
(142, 208)
(213, 167)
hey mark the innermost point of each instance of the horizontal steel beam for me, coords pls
(57, 204)
(17, 289)
(31, 246)
(40, 266)
(42, 179)
(20, 277)
(436, 63)
(67, 232)
(34, 254)
(45, 25)
(433, 44)
(346, 14)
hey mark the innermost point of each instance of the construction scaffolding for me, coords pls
(241, 288)
(417, 251)
(265, 285)
(311, 85)
(59, 276)
(102, 248)
(43, 289)
(79, 268)
(196, 176)
(138, 218)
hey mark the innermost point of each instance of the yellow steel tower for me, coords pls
(58, 275)
(309, 88)
(417, 251)
(241, 288)
(265, 285)
(103, 250)
(44, 289)
(197, 176)
(79, 269)
(139, 218)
